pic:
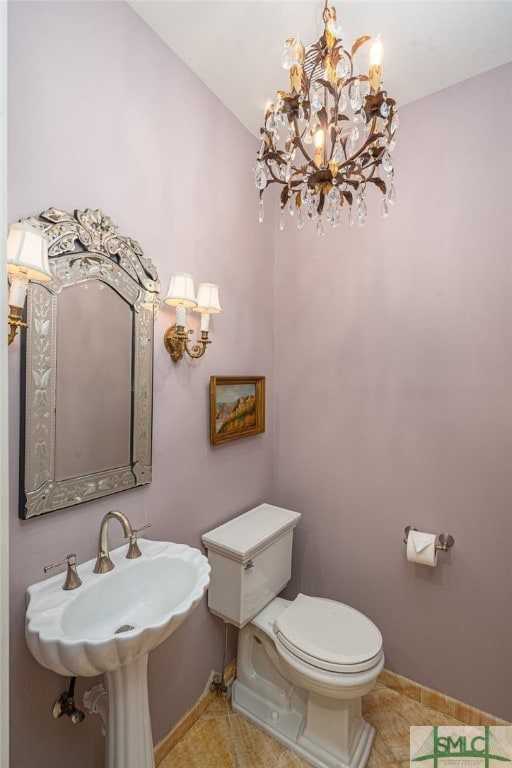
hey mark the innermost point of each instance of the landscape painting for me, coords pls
(237, 407)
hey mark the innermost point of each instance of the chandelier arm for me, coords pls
(298, 140)
(335, 125)
(371, 138)
(300, 145)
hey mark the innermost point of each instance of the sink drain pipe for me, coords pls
(95, 701)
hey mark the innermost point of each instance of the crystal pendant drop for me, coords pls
(316, 97)
(350, 217)
(384, 208)
(261, 213)
(384, 109)
(287, 57)
(300, 219)
(260, 177)
(301, 113)
(308, 138)
(281, 223)
(362, 211)
(291, 207)
(334, 195)
(392, 194)
(271, 123)
(356, 100)
(262, 149)
(305, 195)
(288, 172)
(319, 227)
(395, 122)
(387, 163)
(354, 134)
(392, 144)
(342, 104)
(337, 155)
(343, 68)
(337, 219)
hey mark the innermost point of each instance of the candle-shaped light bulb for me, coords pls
(18, 291)
(181, 314)
(376, 63)
(205, 321)
(319, 147)
(376, 52)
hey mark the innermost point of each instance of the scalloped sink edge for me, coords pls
(76, 632)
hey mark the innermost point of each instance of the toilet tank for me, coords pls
(251, 560)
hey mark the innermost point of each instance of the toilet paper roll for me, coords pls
(421, 548)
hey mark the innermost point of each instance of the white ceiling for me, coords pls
(234, 46)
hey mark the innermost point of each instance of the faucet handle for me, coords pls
(133, 547)
(73, 580)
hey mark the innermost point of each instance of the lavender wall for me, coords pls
(102, 114)
(393, 398)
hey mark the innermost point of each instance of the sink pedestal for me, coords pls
(109, 625)
(129, 743)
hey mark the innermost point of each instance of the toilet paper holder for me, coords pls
(446, 540)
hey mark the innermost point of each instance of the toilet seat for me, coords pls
(328, 635)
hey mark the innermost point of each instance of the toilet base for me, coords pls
(293, 725)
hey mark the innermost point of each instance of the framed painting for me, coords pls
(237, 407)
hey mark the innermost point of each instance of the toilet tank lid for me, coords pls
(245, 536)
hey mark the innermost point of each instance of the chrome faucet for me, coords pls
(103, 561)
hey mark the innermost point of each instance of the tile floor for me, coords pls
(224, 739)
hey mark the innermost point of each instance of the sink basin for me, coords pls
(116, 616)
(110, 624)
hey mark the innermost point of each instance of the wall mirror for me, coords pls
(87, 365)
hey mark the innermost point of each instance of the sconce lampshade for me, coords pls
(208, 299)
(27, 252)
(181, 291)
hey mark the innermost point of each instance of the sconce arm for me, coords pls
(177, 343)
(198, 349)
(14, 320)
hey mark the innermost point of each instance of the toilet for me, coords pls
(302, 665)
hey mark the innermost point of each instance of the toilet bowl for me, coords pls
(295, 683)
(302, 665)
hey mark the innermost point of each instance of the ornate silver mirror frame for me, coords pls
(84, 246)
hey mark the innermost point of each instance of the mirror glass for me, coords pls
(94, 367)
(87, 365)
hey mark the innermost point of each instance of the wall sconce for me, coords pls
(181, 295)
(27, 259)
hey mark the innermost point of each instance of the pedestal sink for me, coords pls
(108, 626)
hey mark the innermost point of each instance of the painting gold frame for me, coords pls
(237, 407)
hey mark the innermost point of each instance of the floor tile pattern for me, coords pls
(223, 739)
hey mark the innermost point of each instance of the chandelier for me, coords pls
(331, 137)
